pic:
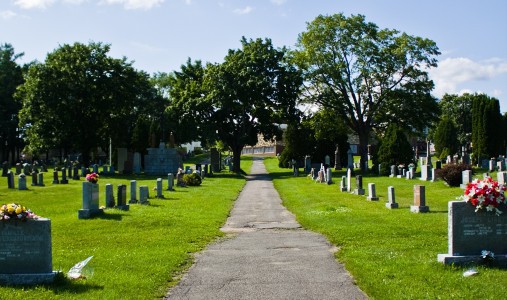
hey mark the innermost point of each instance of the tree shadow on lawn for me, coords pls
(62, 285)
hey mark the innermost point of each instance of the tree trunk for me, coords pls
(236, 159)
(363, 148)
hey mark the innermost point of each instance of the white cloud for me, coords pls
(29, 4)
(243, 11)
(278, 2)
(136, 4)
(7, 14)
(188, 2)
(453, 72)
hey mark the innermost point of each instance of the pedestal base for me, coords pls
(27, 279)
(89, 213)
(419, 209)
(359, 191)
(447, 259)
(372, 198)
(392, 205)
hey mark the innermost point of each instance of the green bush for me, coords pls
(394, 150)
(452, 173)
(192, 179)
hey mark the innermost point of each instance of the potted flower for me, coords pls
(92, 177)
(485, 194)
(14, 211)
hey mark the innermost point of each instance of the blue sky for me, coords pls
(159, 35)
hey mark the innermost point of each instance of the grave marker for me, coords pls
(419, 200)
(40, 179)
(10, 180)
(159, 188)
(349, 180)
(109, 196)
(122, 197)
(343, 184)
(372, 193)
(143, 194)
(359, 185)
(22, 182)
(466, 178)
(391, 198)
(55, 177)
(470, 232)
(133, 192)
(170, 182)
(64, 176)
(90, 201)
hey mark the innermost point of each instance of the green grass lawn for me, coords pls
(392, 254)
(137, 254)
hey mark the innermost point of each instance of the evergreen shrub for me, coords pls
(452, 173)
(192, 179)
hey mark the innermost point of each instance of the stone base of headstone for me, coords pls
(372, 198)
(399, 176)
(419, 209)
(28, 279)
(392, 205)
(359, 191)
(391, 176)
(89, 213)
(447, 259)
(125, 207)
(64, 181)
(133, 201)
(463, 186)
(343, 188)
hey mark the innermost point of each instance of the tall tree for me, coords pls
(487, 125)
(445, 136)
(371, 77)
(11, 76)
(80, 97)
(394, 149)
(250, 93)
(458, 109)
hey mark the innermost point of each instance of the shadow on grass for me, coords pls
(62, 284)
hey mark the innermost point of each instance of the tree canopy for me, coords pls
(80, 97)
(458, 109)
(371, 77)
(11, 76)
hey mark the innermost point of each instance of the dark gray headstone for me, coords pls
(159, 188)
(472, 232)
(90, 201)
(55, 177)
(359, 185)
(419, 200)
(170, 182)
(144, 194)
(109, 196)
(133, 191)
(64, 176)
(10, 180)
(122, 197)
(372, 193)
(391, 198)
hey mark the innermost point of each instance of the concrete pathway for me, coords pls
(268, 255)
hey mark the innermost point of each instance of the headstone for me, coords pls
(359, 185)
(10, 180)
(83, 171)
(329, 176)
(337, 162)
(64, 176)
(372, 193)
(170, 182)
(105, 170)
(349, 180)
(433, 175)
(143, 194)
(466, 178)
(40, 179)
(26, 252)
(90, 201)
(162, 160)
(471, 232)
(34, 179)
(159, 188)
(500, 166)
(425, 172)
(122, 158)
(133, 192)
(343, 184)
(22, 182)
(95, 169)
(27, 169)
(438, 165)
(111, 170)
(121, 197)
(419, 200)
(18, 168)
(350, 159)
(502, 177)
(179, 178)
(75, 175)
(393, 171)
(308, 163)
(55, 177)
(409, 175)
(492, 165)
(69, 174)
(137, 163)
(391, 198)
(109, 196)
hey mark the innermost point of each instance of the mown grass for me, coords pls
(137, 254)
(392, 254)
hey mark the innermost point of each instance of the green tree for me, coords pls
(487, 125)
(445, 136)
(299, 141)
(458, 109)
(250, 93)
(394, 150)
(11, 76)
(370, 77)
(80, 97)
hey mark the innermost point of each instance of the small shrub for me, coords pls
(452, 173)
(192, 179)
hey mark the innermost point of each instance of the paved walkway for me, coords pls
(268, 256)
